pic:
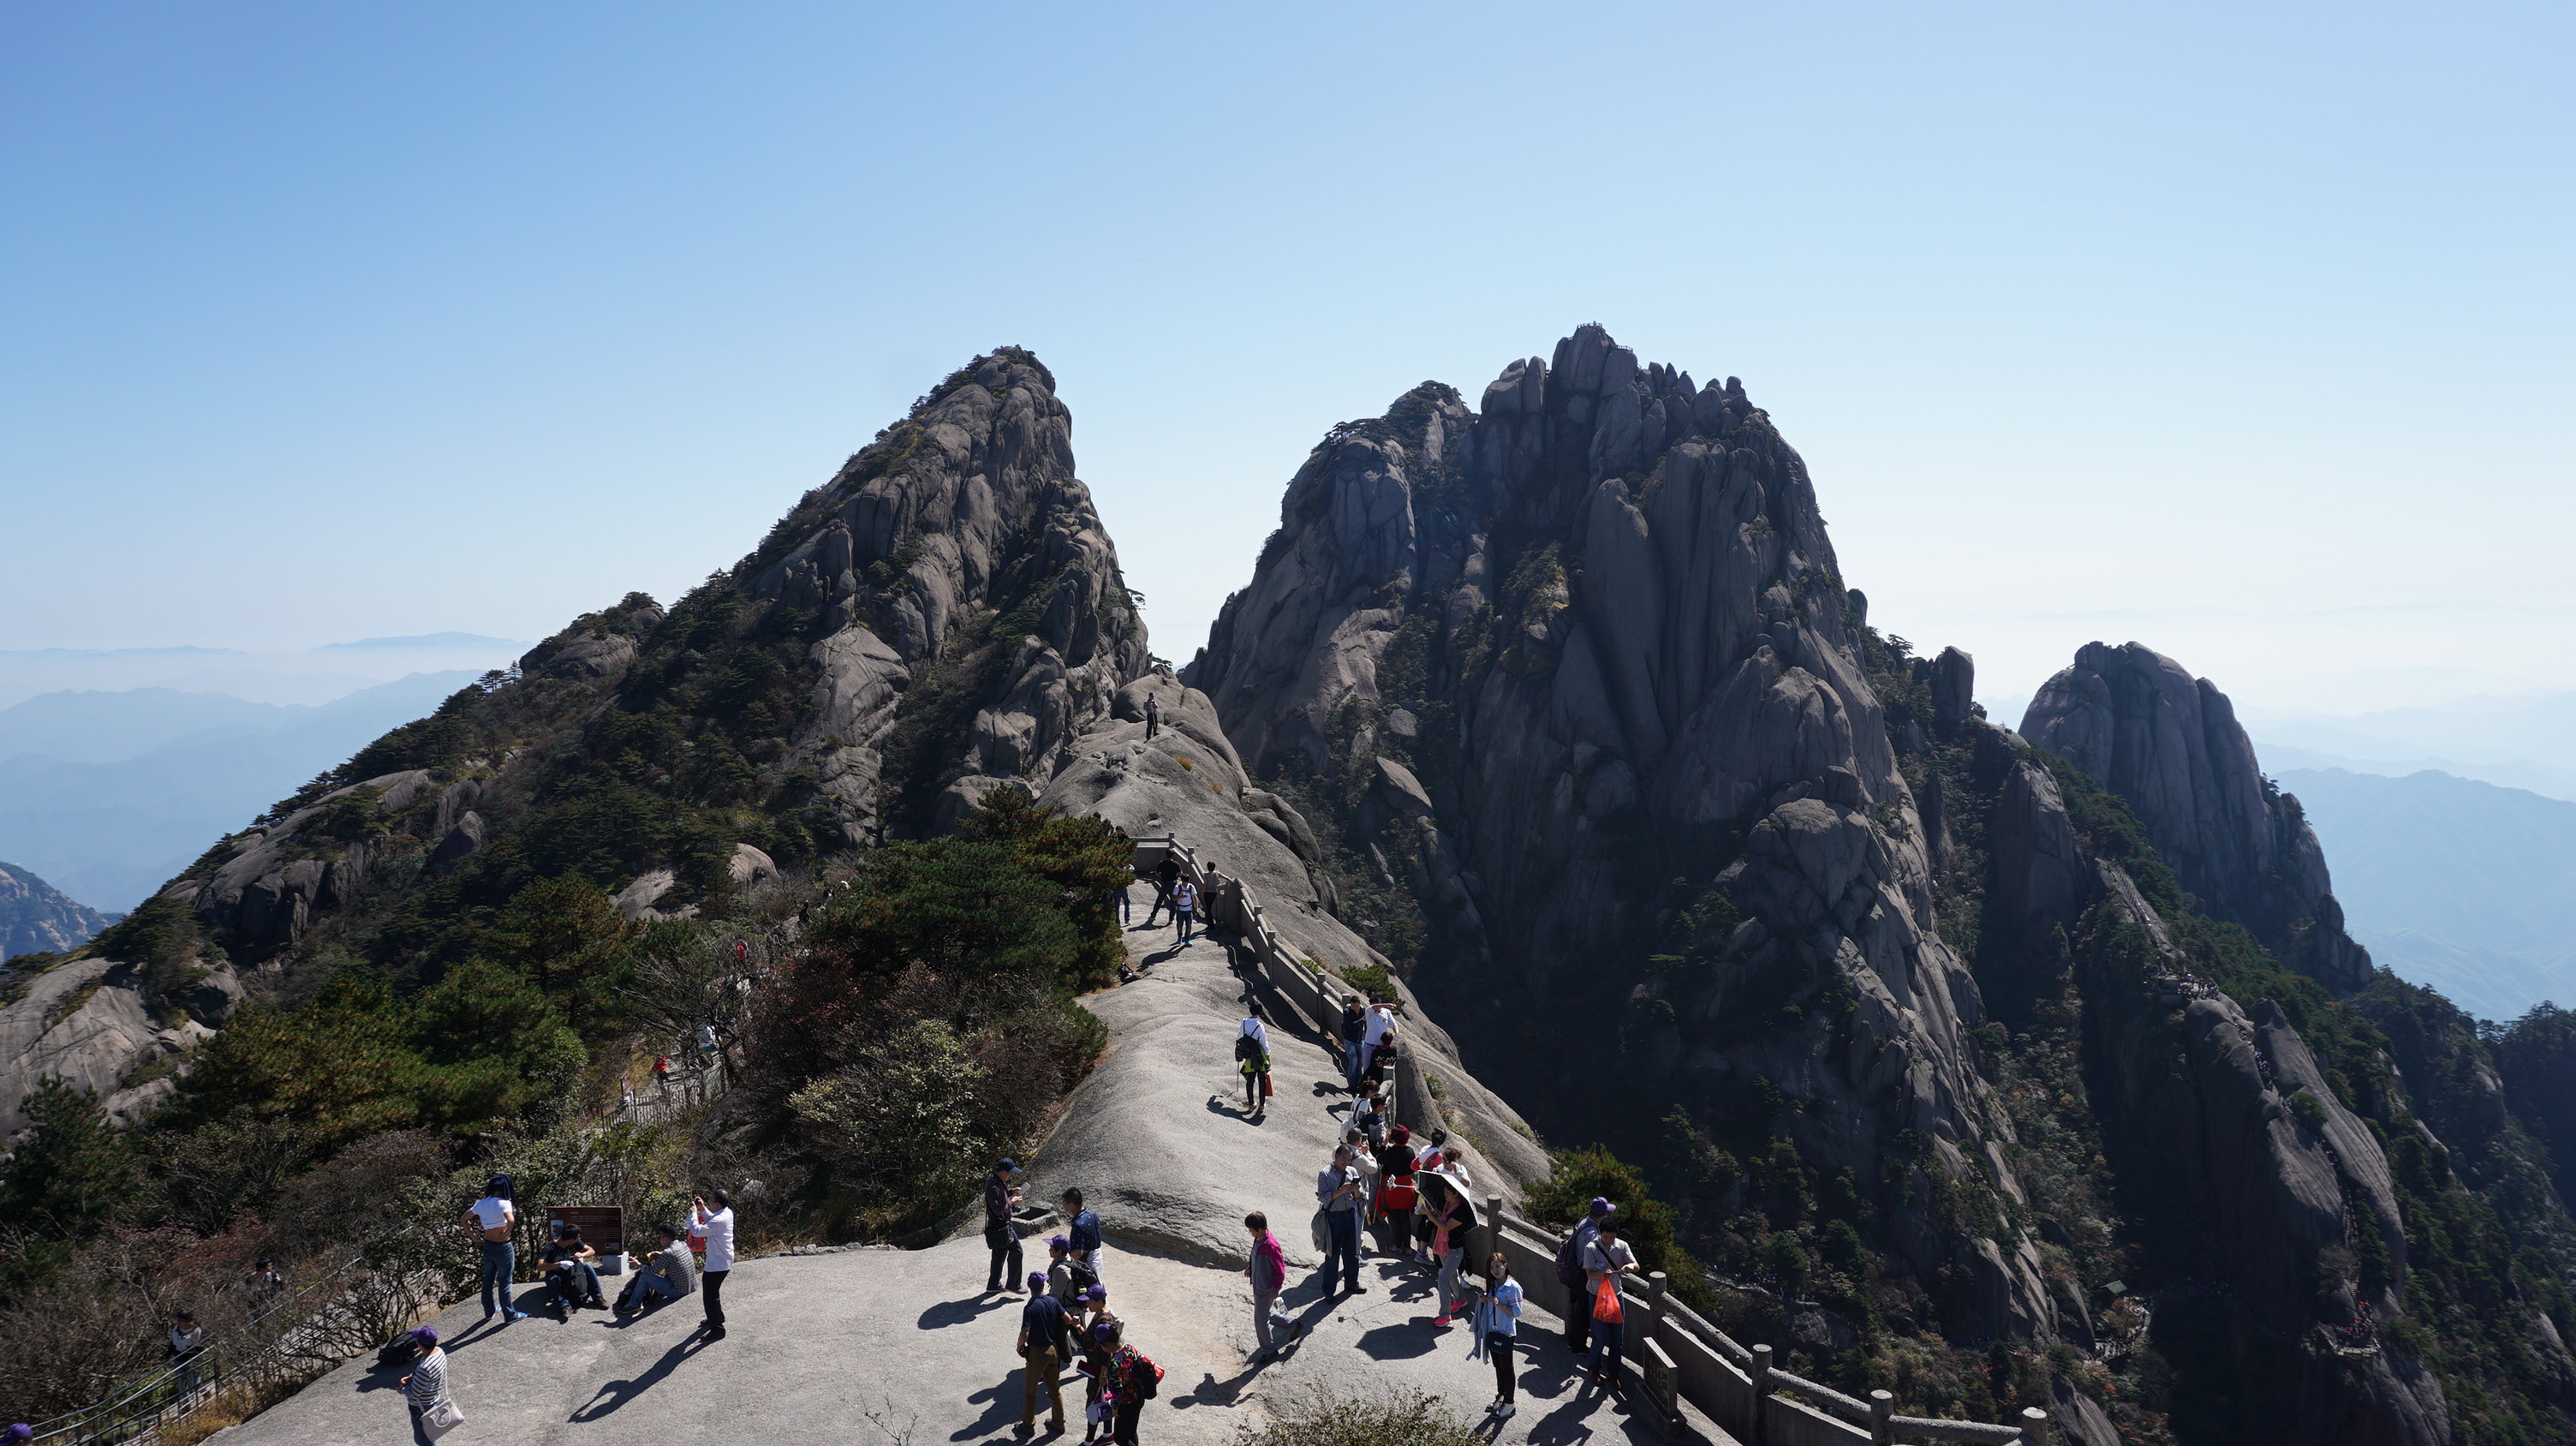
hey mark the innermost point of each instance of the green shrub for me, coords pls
(1404, 1416)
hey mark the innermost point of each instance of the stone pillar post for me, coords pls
(1882, 1418)
(1493, 1236)
(2034, 1426)
(1761, 1396)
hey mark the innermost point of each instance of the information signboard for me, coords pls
(602, 1226)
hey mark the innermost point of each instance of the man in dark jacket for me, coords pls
(1001, 1197)
(1046, 1343)
(1354, 1040)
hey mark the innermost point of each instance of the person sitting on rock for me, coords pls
(671, 1276)
(571, 1279)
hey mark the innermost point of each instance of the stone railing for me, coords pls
(1679, 1355)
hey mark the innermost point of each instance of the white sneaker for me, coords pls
(1504, 1413)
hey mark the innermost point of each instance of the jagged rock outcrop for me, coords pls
(37, 918)
(1563, 664)
(963, 553)
(2234, 1115)
(2169, 744)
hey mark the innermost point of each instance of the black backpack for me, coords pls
(1245, 1048)
(1079, 1275)
(1569, 1264)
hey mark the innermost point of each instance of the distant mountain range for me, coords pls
(37, 918)
(2452, 882)
(107, 793)
(314, 675)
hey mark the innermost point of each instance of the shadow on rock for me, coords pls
(1398, 1342)
(614, 1394)
(1004, 1410)
(958, 1312)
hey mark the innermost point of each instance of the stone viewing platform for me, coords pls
(903, 1348)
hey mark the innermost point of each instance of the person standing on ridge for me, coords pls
(1185, 908)
(1001, 1197)
(1396, 1191)
(495, 1216)
(1337, 1190)
(1166, 874)
(1046, 1343)
(1269, 1275)
(1497, 1323)
(1355, 1040)
(426, 1386)
(1153, 717)
(1252, 1060)
(1082, 1229)
(1126, 910)
(716, 1228)
(1569, 1273)
(1604, 1261)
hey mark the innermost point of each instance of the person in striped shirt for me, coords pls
(426, 1386)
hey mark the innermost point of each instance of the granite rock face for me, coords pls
(1527, 649)
(968, 557)
(37, 918)
(2169, 744)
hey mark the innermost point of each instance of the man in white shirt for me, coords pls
(495, 1216)
(715, 1227)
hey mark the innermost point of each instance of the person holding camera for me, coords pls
(1337, 1190)
(715, 1227)
(1001, 1198)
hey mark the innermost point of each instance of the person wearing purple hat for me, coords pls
(18, 1431)
(425, 1390)
(1046, 1343)
(1571, 1275)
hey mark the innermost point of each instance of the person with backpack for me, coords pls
(1269, 1275)
(1252, 1060)
(1082, 1229)
(1396, 1192)
(1604, 1261)
(1369, 1117)
(1185, 909)
(1046, 1344)
(1337, 1191)
(494, 1217)
(1569, 1273)
(1001, 1198)
(1069, 1276)
(1132, 1380)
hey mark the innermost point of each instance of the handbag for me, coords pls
(440, 1417)
(1323, 1235)
(1266, 1090)
(1605, 1306)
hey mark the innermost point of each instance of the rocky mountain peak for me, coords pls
(2169, 744)
(37, 918)
(1573, 681)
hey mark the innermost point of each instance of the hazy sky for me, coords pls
(2242, 330)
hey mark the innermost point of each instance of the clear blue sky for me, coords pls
(2240, 329)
